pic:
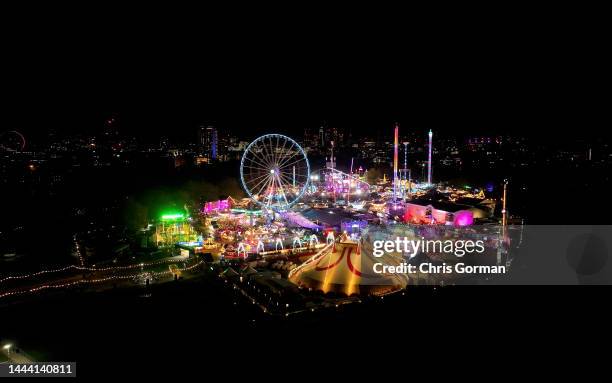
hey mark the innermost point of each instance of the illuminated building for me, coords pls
(217, 206)
(343, 184)
(208, 140)
(428, 212)
(173, 228)
(353, 227)
(311, 140)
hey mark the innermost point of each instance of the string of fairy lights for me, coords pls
(99, 280)
(313, 258)
(78, 252)
(84, 268)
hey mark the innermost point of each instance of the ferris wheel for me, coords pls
(274, 171)
(12, 141)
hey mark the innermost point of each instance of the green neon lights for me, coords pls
(172, 217)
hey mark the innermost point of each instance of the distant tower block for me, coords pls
(429, 158)
(214, 143)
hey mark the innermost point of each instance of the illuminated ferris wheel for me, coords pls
(12, 141)
(274, 171)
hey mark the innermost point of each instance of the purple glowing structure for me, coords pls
(429, 158)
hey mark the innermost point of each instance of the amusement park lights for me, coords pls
(314, 258)
(78, 252)
(99, 280)
(429, 158)
(395, 161)
(172, 216)
(93, 269)
(274, 171)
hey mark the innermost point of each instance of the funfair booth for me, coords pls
(436, 213)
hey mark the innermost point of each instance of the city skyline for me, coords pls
(174, 204)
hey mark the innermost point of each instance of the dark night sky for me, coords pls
(360, 72)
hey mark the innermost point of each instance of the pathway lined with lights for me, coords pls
(15, 357)
(93, 281)
(94, 269)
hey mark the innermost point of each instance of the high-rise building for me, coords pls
(337, 135)
(312, 140)
(208, 140)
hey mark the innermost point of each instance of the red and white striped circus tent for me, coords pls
(344, 267)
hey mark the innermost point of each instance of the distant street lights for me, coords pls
(7, 348)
